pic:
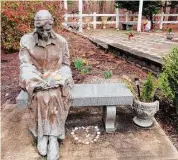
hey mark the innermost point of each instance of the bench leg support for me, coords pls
(109, 116)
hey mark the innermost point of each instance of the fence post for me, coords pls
(117, 18)
(139, 25)
(126, 16)
(94, 20)
(80, 16)
(65, 15)
(161, 20)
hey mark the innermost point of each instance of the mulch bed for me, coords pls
(99, 61)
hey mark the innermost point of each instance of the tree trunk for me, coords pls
(164, 9)
(172, 11)
(151, 19)
(102, 6)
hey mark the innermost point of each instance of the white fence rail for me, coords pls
(117, 16)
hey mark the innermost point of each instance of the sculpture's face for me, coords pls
(44, 31)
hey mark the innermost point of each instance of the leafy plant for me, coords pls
(78, 64)
(107, 74)
(163, 84)
(130, 86)
(81, 65)
(169, 30)
(18, 19)
(168, 79)
(85, 69)
(148, 89)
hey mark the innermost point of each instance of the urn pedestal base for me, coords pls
(143, 123)
(145, 113)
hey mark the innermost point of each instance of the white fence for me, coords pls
(117, 16)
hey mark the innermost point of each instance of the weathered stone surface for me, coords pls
(22, 99)
(109, 116)
(151, 46)
(101, 95)
(129, 142)
(93, 95)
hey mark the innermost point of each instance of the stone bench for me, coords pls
(128, 25)
(108, 95)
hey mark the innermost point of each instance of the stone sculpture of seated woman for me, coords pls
(47, 78)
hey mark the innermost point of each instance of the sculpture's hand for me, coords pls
(51, 82)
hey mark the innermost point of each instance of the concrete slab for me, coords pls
(152, 46)
(129, 142)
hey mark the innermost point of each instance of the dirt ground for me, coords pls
(14, 120)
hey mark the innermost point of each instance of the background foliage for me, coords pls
(168, 79)
(17, 19)
(149, 7)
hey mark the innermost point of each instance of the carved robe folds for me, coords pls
(48, 106)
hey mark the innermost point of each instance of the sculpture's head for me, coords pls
(43, 23)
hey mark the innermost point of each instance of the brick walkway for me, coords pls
(152, 46)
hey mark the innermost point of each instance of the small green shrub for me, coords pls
(78, 64)
(169, 30)
(107, 74)
(168, 79)
(81, 65)
(85, 69)
(148, 89)
(163, 84)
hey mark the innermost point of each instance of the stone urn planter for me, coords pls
(104, 21)
(169, 36)
(145, 112)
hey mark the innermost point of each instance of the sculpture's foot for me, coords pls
(42, 145)
(53, 148)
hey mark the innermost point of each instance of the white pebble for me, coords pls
(98, 133)
(86, 142)
(96, 127)
(97, 137)
(76, 138)
(95, 140)
(72, 133)
(88, 135)
(76, 128)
